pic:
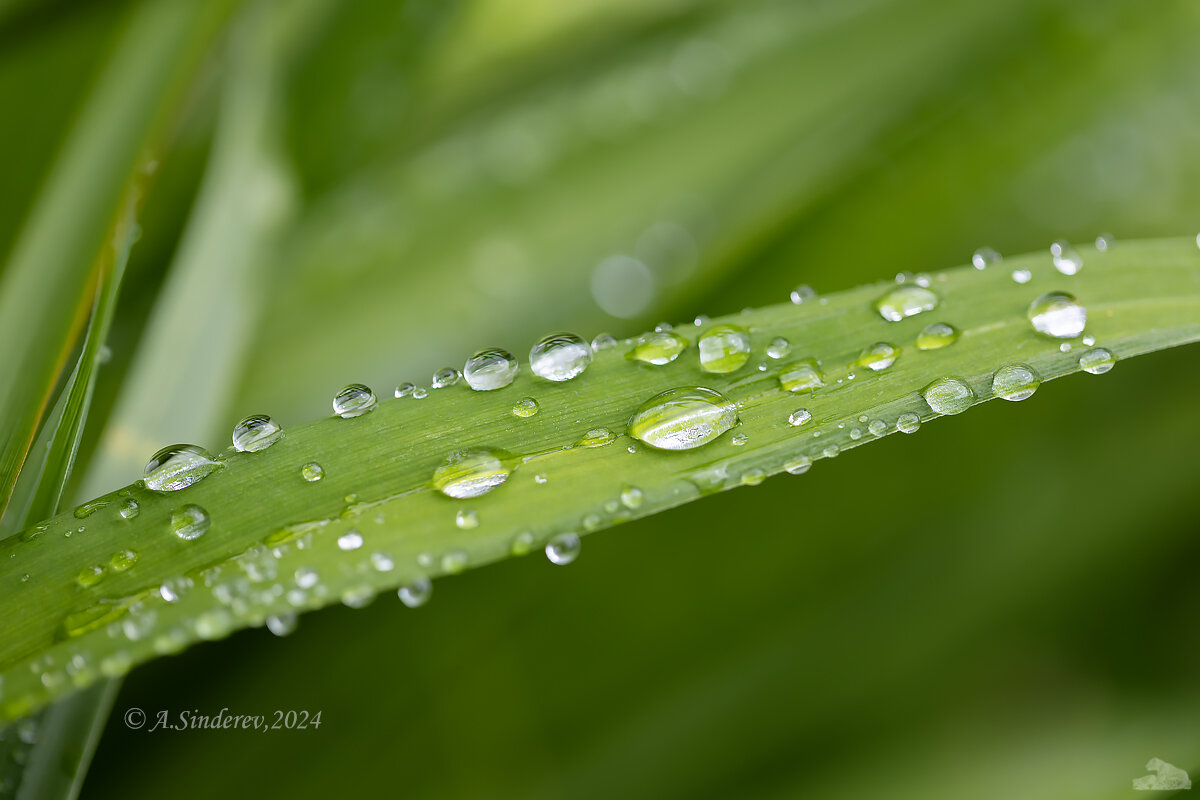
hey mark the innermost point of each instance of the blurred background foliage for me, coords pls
(1001, 606)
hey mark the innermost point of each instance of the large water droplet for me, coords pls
(354, 401)
(936, 336)
(683, 418)
(560, 357)
(490, 369)
(724, 348)
(190, 522)
(256, 433)
(563, 548)
(878, 356)
(802, 376)
(658, 348)
(948, 396)
(471, 473)
(178, 467)
(905, 301)
(1097, 361)
(1057, 314)
(1015, 382)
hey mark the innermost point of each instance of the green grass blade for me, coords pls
(48, 285)
(273, 547)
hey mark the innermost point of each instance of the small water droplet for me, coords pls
(831, 451)
(877, 427)
(445, 377)
(683, 418)
(312, 472)
(417, 593)
(454, 562)
(306, 577)
(1022, 276)
(466, 519)
(798, 465)
(472, 472)
(522, 543)
(563, 548)
(490, 369)
(1066, 260)
(878, 356)
(178, 466)
(936, 336)
(190, 522)
(658, 348)
(905, 301)
(948, 396)
(404, 390)
(122, 560)
(801, 376)
(802, 293)
(420, 393)
(631, 497)
(778, 347)
(1065, 347)
(738, 439)
(256, 433)
(1057, 314)
(908, 423)
(354, 401)
(701, 320)
(1015, 382)
(174, 588)
(597, 437)
(799, 417)
(282, 624)
(753, 477)
(525, 407)
(724, 348)
(350, 540)
(1104, 242)
(1097, 361)
(560, 357)
(984, 257)
(90, 576)
(603, 341)
(540, 478)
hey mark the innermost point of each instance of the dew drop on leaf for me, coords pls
(658, 348)
(908, 423)
(350, 540)
(525, 407)
(416, 593)
(683, 418)
(1097, 361)
(354, 401)
(312, 472)
(190, 522)
(778, 347)
(799, 417)
(1015, 382)
(937, 335)
(490, 369)
(445, 377)
(255, 433)
(1058, 315)
(563, 548)
(178, 466)
(472, 472)
(801, 376)
(905, 301)
(878, 356)
(724, 348)
(560, 357)
(948, 396)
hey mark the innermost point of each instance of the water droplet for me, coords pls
(354, 401)
(174, 588)
(1104, 242)
(212, 624)
(1098, 361)
(1066, 260)
(753, 477)
(382, 562)
(724, 348)
(466, 519)
(1057, 314)
(282, 624)
(350, 540)
(178, 467)
(597, 437)
(878, 356)
(404, 389)
(525, 407)
(798, 465)
(560, 357)
(312, 472)
(445, 377)
(416, 594)
(563, 548)
(779, 347)
(799, 417)
(85, 510)
(984, 257)
(190, 522)
(658, 348)
(948, 396)
(420, 393)
(1088, 341)
(831, 451)
(256, 433)
(90, 576)
(522, 543)
(905, 301)
(122, 560)
(603, 341)
(683, 418)
(877, 427)
(631, 497)
(454, 562)
(738, 439)
(802, 376)
(1022, 275)
(490, 369)
(936, 336)
(908, 423)
(359, 596)
(306, 577)
(540, 478)
(471, 473)
(1015, 382)
(802, 293)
